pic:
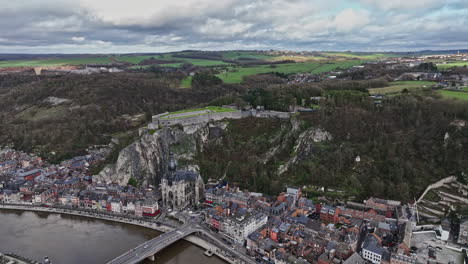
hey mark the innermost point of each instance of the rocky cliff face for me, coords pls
(146, 159)
(305, 146)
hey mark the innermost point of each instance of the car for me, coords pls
(438, 248)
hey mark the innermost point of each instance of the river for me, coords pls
(69, 239)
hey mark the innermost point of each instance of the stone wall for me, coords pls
(209, 117)
(437, 185)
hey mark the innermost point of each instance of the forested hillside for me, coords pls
(404, 142)
(66, 114)
(400, 145)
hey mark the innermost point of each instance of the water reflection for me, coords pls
(73, 239)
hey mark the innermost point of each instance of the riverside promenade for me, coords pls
(220, 250)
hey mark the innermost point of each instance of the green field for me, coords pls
(215, 109)
(55, 62)
(371, 56)
(454, 94)
(230, 55)
(197, 62)
(398, 87)
(186, 83)
(134, 59)
(234, 55)
(236, 75)
(452, 65)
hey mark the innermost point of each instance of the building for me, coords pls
(181, 188)
(400, 258)
(372, 250)
(150, 207)
(294, 192)
(239, 228)
(329, 214)
(463, 234)
(355, 259)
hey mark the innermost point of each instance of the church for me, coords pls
(181, 188)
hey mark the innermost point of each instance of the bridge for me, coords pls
(148, 249)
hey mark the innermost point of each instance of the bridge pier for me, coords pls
(151, 258)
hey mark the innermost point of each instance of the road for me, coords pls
(153, 246)
(191, 225)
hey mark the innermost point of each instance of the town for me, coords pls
(287, 228)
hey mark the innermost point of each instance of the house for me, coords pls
(116, 205)
(372, 249)
(463, 234)
(381, 204)
(294, 192)
(29, 175)
(400, 257)
(355, 259)
(150, 207)
(329, 214)
(139, 208)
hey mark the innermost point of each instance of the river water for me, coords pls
(69, 239)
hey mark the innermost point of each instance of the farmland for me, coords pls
(363, 56)
(452, 65)
(55, 62)
(178, 59)
(454, 94)
(398, 87)
(236, 75)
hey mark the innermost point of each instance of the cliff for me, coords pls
(146, 159)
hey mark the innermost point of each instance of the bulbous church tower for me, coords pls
(181, 188)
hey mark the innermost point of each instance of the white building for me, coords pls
(238, 228)
(371, 250)
(150, 207)
(116, 206)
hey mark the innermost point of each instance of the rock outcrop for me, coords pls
(146, 159)
(305, 146)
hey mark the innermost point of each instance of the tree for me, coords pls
(205, 80)
(132, 182)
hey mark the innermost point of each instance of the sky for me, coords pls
(139, 26)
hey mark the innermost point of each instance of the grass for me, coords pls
(236, 75)
(371, 56)
(454, 94)
(186, 83)
(398, 87)
(135, 59)
(170, 57)
(215, 109)
(234, 55)
(452, 65)
(55, 62)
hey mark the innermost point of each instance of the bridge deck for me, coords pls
(153, 246)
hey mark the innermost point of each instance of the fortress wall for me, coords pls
(437, 185)
(206, 118)
(155, 118)
(273, 114)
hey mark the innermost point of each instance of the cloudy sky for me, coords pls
(123, 26)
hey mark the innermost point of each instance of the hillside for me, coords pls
(401, 148)
(66, 114)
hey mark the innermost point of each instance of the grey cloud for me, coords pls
(83, 26)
